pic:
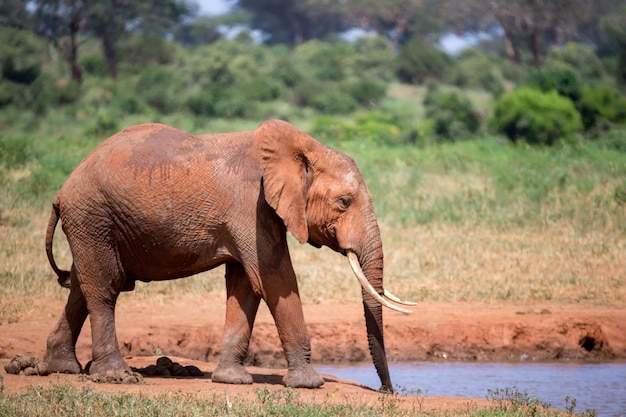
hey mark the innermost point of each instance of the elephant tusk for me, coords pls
(396, 299)
(360, 276)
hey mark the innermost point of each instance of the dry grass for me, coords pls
(433, 262)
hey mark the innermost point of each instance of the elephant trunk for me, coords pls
(369, 267)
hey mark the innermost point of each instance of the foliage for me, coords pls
(535, 117)
(419, 61)
(453, 116)
(560, 78)
(601, 104)
(476, 70)
(579, 57)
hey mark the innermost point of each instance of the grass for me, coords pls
(62, 399)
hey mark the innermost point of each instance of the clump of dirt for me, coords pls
(166, 367)
(114, 377)
(26, 365)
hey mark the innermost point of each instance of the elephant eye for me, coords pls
(344, 202)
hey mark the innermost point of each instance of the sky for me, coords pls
(212, 7)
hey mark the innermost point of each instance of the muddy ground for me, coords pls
(190, 333)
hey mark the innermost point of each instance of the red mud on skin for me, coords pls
(191, 334)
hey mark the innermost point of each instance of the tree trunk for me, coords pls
(108, 48)
(534, 39)
(71, 54)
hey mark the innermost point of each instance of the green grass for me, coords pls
(60, 400)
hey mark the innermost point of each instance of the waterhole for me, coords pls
(599, 386)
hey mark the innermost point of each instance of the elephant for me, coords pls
(154, 203)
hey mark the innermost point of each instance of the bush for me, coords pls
(376, 127)
(476, 70)
(94, 64)
(367, 92)
(579, 57)
(160, 87)
(561, 78)
(20, 55)
(600, 104)
(453, 116)
(418, 61)
(536, 117)
(332, 100)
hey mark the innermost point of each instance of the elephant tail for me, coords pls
(64, 276)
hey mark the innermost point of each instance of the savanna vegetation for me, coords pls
(498, 173)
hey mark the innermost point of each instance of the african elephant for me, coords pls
(154, 203)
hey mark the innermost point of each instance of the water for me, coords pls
(599, 386)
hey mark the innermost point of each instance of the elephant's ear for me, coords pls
(283, 149)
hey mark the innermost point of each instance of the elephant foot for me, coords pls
(107, 366)
(231, 374)
(305, 377)
(62, 363)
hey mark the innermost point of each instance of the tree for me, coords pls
(528, 24)
(62, 21)
(293, 21)
(399, 20)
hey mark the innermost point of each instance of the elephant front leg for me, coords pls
(284, 303)
(61, 345)
(241, 308)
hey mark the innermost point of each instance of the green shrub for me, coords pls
(322, 60)
(376, 127)
(20, 55)
(560, 78)
(370, 58)
(332, 100)
(579, 57)
(453, 116)
(94, 64)
(161, 88)
(367, 92)
(138, 50)
(201, 104)
(418, 61)
(476, 70)
(328, 129)
(233, 107)
(600, 104)
(104, 125)
(536, 117)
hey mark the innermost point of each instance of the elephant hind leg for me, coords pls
(101, 277)
(241, 308)
(61, 345)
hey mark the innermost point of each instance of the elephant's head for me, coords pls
(323, 200)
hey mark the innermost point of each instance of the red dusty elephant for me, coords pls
(154, 203)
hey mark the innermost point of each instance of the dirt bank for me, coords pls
(192, 332)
